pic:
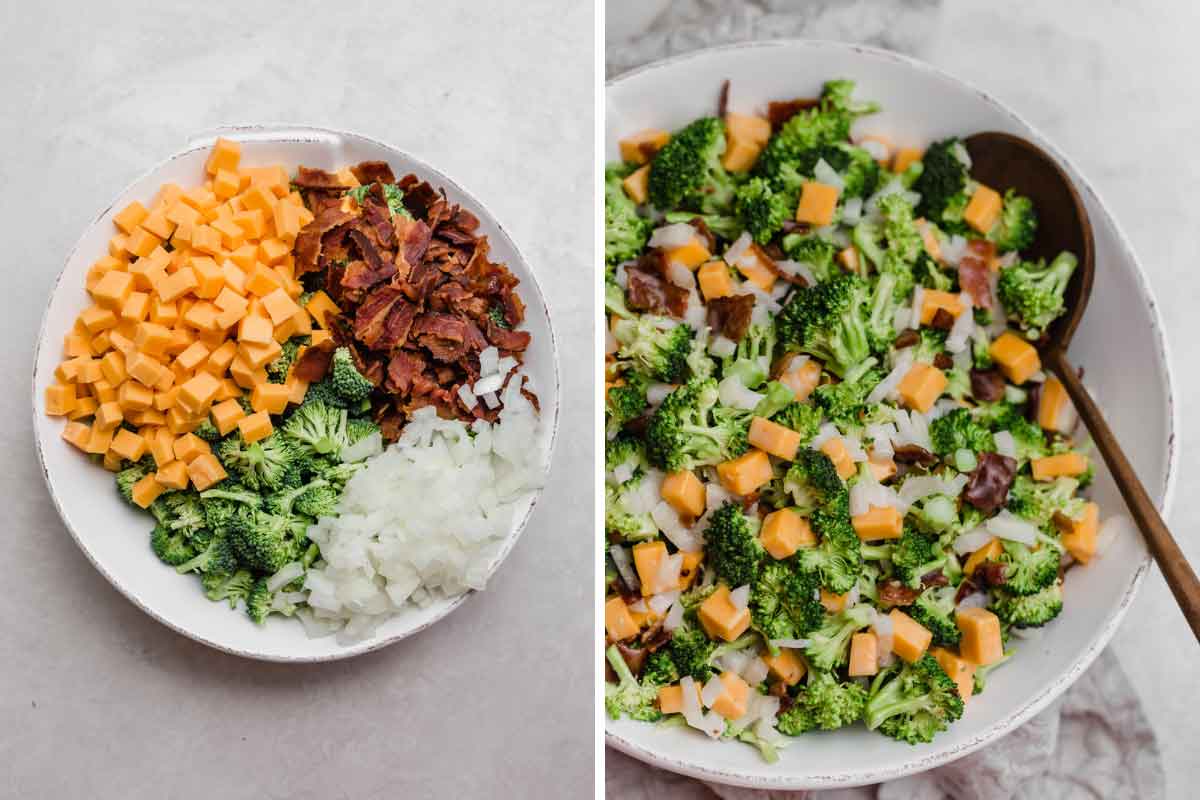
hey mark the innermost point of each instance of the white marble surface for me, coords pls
(1112, 83)
(97, 699)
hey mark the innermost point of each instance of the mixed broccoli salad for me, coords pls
(839, 486)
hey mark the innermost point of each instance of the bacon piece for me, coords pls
(514, 309)
(313, 363)
(987, 385)
(377, 219)
(894, 593)
(403, 369)
(414, 238)
(397, 326)
(310, 239)
(313, 178)
(906, 338)
(373, 172)
(779, 112)
(371, 317)
(645, 291)
(730, 316)
(512, 341)
(974, 272)
(987, 488)
(372, 255)
(723, 99)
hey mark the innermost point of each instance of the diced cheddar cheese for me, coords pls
(152, 338)
(835, 448)
(647, 559)
(670, 698)
(279, 306)
(255, 330)
(60, 399)
(146, 491)
(319, 305)
(113, 289)
(273, 250)
(188, 446)
(910, 639)
(905, 157)
(161, 447)
(96, 319)
(981, 643)
(983, 209)
(921, 386)
(99, 440)
(269, 397)
(685, 493)
(257, 355)
(878, 522)
(802, 379)
(205, 471)
(882, 468)
(255, 426)
(933, 300)
(637, 185)
(745, 137)
(1055, 412)
(176, 285)
(714, 280)
(773, 438)
(1079, 535)
(731, 703)
(84, 408)
(721, 618)
(618, 622)
(225, 155)
(784, 532)
(136, 306)
(989, 552)
(864, 655)
(197, 393)
(691, 255)
(1063, 464)
(130, 217)
(641, 146)
(78, 434)
(833, 603)
(142, 242)
(1018, 359)
(108, 416)
(225, 184)
(128, 445)
(689, 570)
(961, 671)
(113, 367)
(173, 475)
(745, 473)
(787, 666)
(818, 202)
(192, 356)
(755, 270)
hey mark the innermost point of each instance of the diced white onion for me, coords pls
(722, 347)
(489, 360)
(639, 607)
(885, 629)
(696, 315)
(740, 597)
(918, 301)
(671, 236)
(712, 691)
(912, 428)
(692, 711)
(621, 276)
(973, 600)
(680, 275)
(793, 644)
(659, 603)
(366, 447)
(1005, 444)
(828, 175)
(876, 148)
(623, 472)
(972, 540)
(491, 400)
(887, 387)
(286, 574)
(625, 568)
(755, 671)
(964, 325)
(667, 520)
(668, 575)
(953, 249)
(734, 395)
(797, 268)
(657, 392)
(826, 432)
(881, 438)
(468, 397)
(674, 617)
(1006, 525)
(854, 447)
(736, 250)
(852, 211)
(488, 384)
(734, 661)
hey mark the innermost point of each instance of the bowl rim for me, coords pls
(1102, 637)
(255, 133)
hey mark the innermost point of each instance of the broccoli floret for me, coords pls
(624, 449)
(686, 432)
(359, 428)
(127, 477)
(627, 696)
(928, 273)
(625, 402)
(751, 363)
(783, 602)
(1018, 223)
(732, 545)
(913, 702)
(893, 245)
(825, 704)
(347, 381)
(959, 430)
(614, 299)
(316, 428)
(838, 557)
(625, 233)
(207, 431)
(656, 348)
(936, 514)
(982, 672)
(830, 322)
(1032, 292)
(845, 402)
(942, 184)
(691, 651)
(829, 645)
(812, 481)
(283, 503)
(266, 464)
(816, 253)
(660, 669)
(266, 542)
(726, 227)
(881, 326)
(761, 210)
(277, 370)
(1028, 611)
(916, 554)
(687, 172)
(258, 601)
(803, 418)
(631, 526)
(861, 174)
(934, 608)
(182, 512)
(1028, 571)
(1039, 501)
(231, 586)
(318, 500)
(171, 547)
(217, 557)
(221, 505)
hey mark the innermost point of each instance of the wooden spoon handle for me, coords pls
(1175, 568)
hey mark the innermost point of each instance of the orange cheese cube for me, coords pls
(226, 184)
(641, 147)
(161, 447)
(230, 389)
(149, 416)
(297, 389)
(752, 129)
(1055, 412)
(202, 316)
(1018, 359)
(113, 367)
(245, 375)
(983, 209)
(647, 559)
(787, 666)
(156, 222)
(685, 493)
(113, 289)
(221, 358)
(269, 397)
(146, 491)
(833, 603)
(163, 313)
(818, 202)
(319, 305)
(961, 671)
(75, 345)
(99, 440)
(136, 306)
(109, 415)
(188, 446)
(773, 438)
(88, 371)
(721, 618)
(205, 471)
(96, 319)
(882, 468)
(84, 408)
(274, 177)
(1079, 537)
(670, 698)
(225, 154)
(731, 703)
(864, 655)
(905, 157)
(128, 445)
(234, 273)
(637, 185)
(232, 235)
(255, 426)
(745, 473)
(130, 217)
(262, 281)
(133, 397)
(207, 239)
(180, 213)
(102, 341)
(921, 386)
(755, 271)
(910, 639)
(1062, 464)
(618, 622)
(259, 197)
(714, 280)
(176, 285)
(878, 522)
(192, 356)
(60, 399)
(273, 250)
(279, 307)
(142, 242)
(691, 255)
(689, 570)
(932, 300)
(198, 391)
(802, 379)
(116, 247)
(100, 268)
(173, 475)
(258, 355)
(77, 434)
(319, 337)
(784, 532)
(229, 300)
(225, 415)
(989, 552)
(152, 338)
(253, 222)
(981, 643)
(739, 155)
(255, 330)
(835, 448)
(181, 339)
(209, 277)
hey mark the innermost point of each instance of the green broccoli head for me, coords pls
(258, 601)
(625, 402)
(829, 645)
(784, 602)
(816, 253)
(942, 184)
(267, 464)
(171, 547)
(762, 210)
(732, 545)
(861, 173)
(625, 232)
(845, 402)
(934, 608)
(317, 428)
(207, 431)
(1039, 501)
(265, 542)
(913, 702)
(317, 500)
(959, 430)
(359, 428)
(685, 432)
(928, 273)
(231, 586)
(127, 477)
(222, 504)
(283, 502)
(277, 370)
(619, 516)
(691, 652)
(803, 418)
(830, 321)
(655, 346)
(1028, 571)
(812, 481)
(1028, 611)
(687, 172)
(1017, 226)
(838, 557)
(627, 696)
(825, 703)
(660, 669)
(346, 379)
(751, 362)
(914, 555)
(1032, 292)
(726, 227)
(217, 557)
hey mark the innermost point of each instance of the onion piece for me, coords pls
(680, 275)
(675, 235)
(489, 360)
(791, 644)
(667, 520)
(468, 397)
(1006, 445)
(286, 574)
(736, 250)
(659, 603)
(491, 401)
(733, 394)
(885, 629)
(674, 617)
(755, 671)
(740, 597)
(887, 387)
(712, 691)
(1006, 525)
(973, 600)
(668, 573)
(722, 347)
(797, 269)
(366, 447)
(625, 568)
(963, 327)
(657, 392)
(491, 383)
(972, 540)
(828, 175)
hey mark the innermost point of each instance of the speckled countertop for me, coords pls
(99, 700)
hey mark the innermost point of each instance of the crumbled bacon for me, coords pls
(730, 316)
(779, 112)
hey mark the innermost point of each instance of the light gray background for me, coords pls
(1114, 85)
(99, 700)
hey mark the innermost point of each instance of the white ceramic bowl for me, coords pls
(115, 536)
(1120, 345)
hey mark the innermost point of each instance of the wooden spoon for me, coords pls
(1003, 160)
